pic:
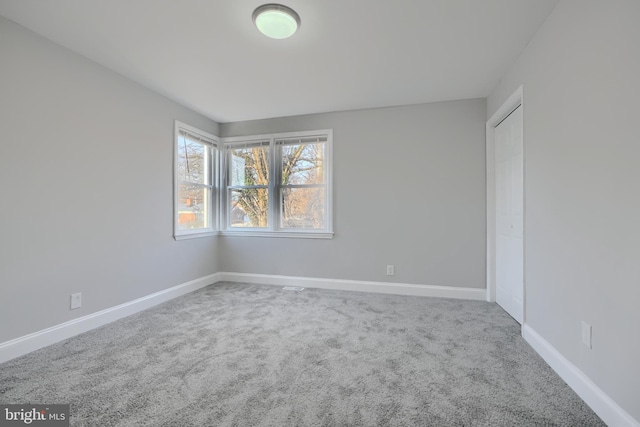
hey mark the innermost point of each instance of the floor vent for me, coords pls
(293, 288)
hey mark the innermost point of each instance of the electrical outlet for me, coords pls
(391, 270)
(586, 334)
(76, 301)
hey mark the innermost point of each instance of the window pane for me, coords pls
(249, 166)
(303, 208)
(194, 203)
(194, 161)
(249, 208)
(302, 164)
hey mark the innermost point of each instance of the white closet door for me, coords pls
(509, 215)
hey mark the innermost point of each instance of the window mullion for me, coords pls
(274, 174)
(246, 187)
(196, 184)
(215, 197)
(225, 203)
(303, 186)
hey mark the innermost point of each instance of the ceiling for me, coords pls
(348, 54)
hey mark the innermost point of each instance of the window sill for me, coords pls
(195, 235)
(280, 234)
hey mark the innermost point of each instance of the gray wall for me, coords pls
(582, 184)
(408, 190)
(86, 187)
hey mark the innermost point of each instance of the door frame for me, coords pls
(516, 99)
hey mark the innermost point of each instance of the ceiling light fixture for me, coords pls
(276, 21)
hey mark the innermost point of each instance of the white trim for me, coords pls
(196, 235)
(285, 234)
(357, 285)
(278, 135)
(37, 340)
(517, 98)
(608, 410)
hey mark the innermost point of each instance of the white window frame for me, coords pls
(213, 141)
(273, 229)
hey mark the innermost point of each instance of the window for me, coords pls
(195, 182)
(279, 184)
(303, 187)
(248, 185)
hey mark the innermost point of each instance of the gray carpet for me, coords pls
(251, 355)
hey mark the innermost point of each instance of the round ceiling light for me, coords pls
(276, 21)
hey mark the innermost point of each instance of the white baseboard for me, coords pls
(358, 285)
(608, 410)
(37, 340)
